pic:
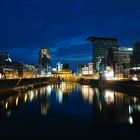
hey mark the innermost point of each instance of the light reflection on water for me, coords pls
(107, 106)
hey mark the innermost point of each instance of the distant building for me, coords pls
(136, 53)
(64, 74)
(62, 71)
(62, 66)
(100, 51)
(6, 67)
(10, 69)
(4, 58)
(79, 69)
(45, 59)
(87, 70)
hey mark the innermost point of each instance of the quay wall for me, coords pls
(12, 83)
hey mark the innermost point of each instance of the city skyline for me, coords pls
(69, 69)
(27, 26)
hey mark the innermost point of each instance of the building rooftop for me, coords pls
(92, 39)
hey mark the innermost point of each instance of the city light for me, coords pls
(87, 93)
(60, 96)
(49, 89)
(130, 119)
(109, 96)
(135, 78)
(109, 73)
(17, 99)
(70, 69)
(6, 105)
(25, 97)
(31, 95)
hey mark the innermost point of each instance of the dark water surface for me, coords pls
(69, 111)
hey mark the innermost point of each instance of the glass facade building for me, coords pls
(45, 59)
(100, 51)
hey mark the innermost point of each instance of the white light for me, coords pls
(60, 96)
(49, 90)
(135, 78)
(6, 105)
(136, 68)
(109, 96)
(130, 120)
(130, 49)
(138, 107)
(9, 59)
(109, 74)
(130, 109)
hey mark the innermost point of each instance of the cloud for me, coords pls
(74, 57)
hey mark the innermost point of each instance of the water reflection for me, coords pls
(63, 90)
(87, 93)
(9, 104)
(108, 106)
(112, 107)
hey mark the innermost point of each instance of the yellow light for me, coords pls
(25, 98)
(100, 106)
(109, 96)
(31, 97)
(6, 105)
(17, 101)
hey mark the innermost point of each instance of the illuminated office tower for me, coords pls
(100, 51)
(44, 59)
(120, 61)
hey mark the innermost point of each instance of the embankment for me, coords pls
(13, 84)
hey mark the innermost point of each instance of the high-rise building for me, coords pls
(136, 53)
(100, 50)
(120, 61)
(45, 59)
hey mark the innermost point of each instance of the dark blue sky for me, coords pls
(63, 25)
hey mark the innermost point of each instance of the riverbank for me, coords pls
(128, 86)
(19, 85)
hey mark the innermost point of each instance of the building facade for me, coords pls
(136, 54)
(45, 59)
(7, 70)
(62, 66)
(87, 70)
(10, 69)
(120, 61)
(100, 51)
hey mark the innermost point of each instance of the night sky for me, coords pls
(63, 26)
